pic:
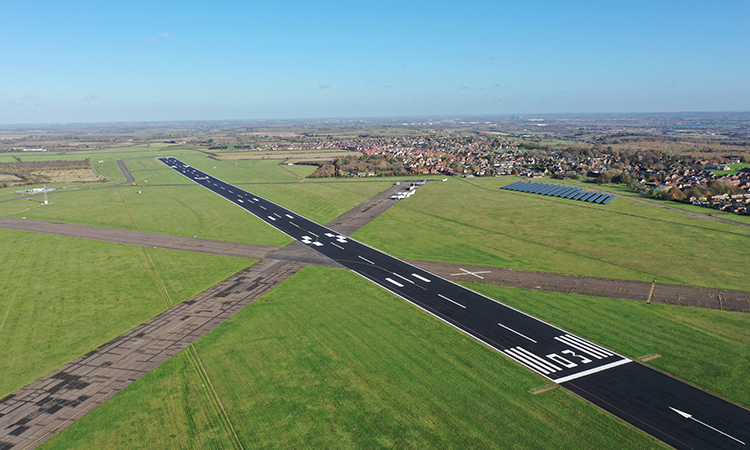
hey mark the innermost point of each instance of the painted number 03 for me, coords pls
(565, 362)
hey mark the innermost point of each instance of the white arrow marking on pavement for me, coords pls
(690, 416)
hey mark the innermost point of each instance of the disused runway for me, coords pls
(35, 413)
(670, 294)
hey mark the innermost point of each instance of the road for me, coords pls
(649, 400)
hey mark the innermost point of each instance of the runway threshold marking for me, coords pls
(514, 331)
(590, 371)
(455, 303)
(584, 346)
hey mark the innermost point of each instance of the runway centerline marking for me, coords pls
(394, 282)
(455, 303)
(514, 331)
(365, 259)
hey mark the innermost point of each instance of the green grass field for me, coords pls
(463, 223)
(61, 297)
(332, 361)
(187, 210)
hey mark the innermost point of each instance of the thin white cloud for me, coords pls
(324, 86)
(153, 39)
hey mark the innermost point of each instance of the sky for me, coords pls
(102, 61)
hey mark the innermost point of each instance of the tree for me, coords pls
(675, 194)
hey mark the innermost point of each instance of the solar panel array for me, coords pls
(561, 191)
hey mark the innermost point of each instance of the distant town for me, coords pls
(698, 158)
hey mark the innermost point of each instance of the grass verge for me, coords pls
(61, 297)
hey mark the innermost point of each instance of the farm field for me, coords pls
(463, 223)
(62, 297)
(329, 360)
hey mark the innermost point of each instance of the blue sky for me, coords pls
(99, 61)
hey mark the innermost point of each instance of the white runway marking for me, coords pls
(317, 244)
(514, 331)
(466, 272)
(420, 278)
(294, 224)
(394, 282)
(337, 245)
(264, 208)
(366, 260)
(277, 215)
(514, 355)
(590, 371)
(584, 346)
(272, 217)
(291, 217)
(690, 416)
(455, 303)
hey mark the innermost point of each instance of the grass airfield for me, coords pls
(331, 361)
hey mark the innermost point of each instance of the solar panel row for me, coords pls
(561, 191)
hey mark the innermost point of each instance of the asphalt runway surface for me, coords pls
(675, 412)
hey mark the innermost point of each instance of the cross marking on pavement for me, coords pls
(466, 272)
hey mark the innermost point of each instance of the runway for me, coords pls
(678, 414)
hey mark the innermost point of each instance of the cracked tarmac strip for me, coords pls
(33, 414)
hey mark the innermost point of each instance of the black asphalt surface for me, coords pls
(630, 391)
